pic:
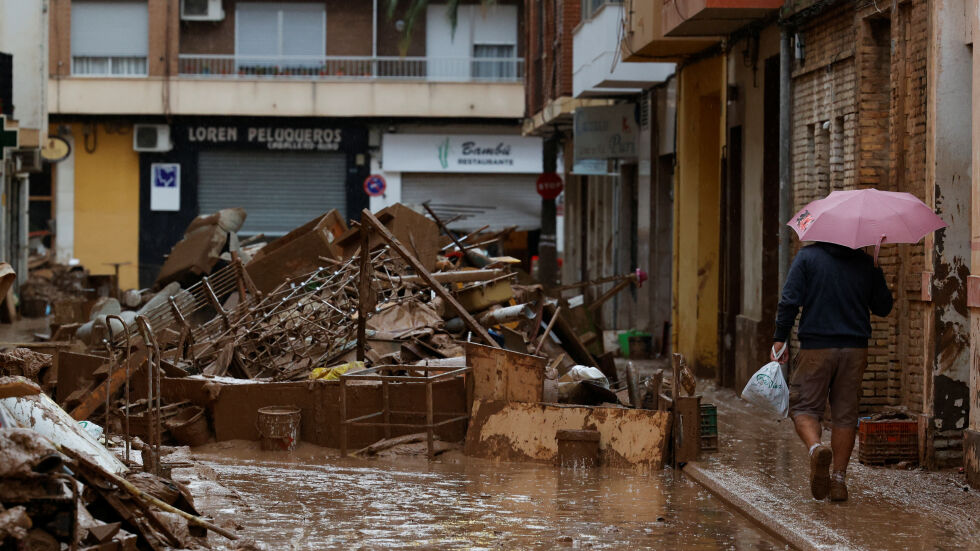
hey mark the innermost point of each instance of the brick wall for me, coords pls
(549, 28)
(859, 121)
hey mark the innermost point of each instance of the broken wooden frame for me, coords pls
(386, 375)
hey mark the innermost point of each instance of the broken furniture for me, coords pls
(390, 375)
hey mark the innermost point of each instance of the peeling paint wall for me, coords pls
(949, 172)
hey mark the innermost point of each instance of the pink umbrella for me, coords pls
(865, 217)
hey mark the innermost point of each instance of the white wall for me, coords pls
(277, 98)
(495, 24)
(64, 204)
(597, 67)
(24, 33)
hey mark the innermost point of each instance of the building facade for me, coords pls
(23, 125)
(776, 109)
(282, 108)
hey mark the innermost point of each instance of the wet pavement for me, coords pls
(316, 500)
(761, 460)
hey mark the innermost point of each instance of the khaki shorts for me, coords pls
(823, 373)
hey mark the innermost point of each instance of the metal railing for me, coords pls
(446, 69)
(109, 66)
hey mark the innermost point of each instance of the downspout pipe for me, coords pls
(374, 30)
(785, 151)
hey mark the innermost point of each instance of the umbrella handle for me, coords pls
(878, 248)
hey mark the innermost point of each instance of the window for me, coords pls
(282, 35)
(109, 38)
(500, 61)
(590, 7)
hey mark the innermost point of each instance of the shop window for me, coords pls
(286, 38)
(494, 61)
(109, 38)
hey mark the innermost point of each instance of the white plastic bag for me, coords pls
(768, 389)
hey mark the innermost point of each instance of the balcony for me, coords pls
(596, 71)
(426, 69)
(712, 17)
(484, 87)
(645, 40)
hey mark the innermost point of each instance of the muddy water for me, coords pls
(319, 501)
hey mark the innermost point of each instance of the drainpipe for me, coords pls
(785, 152)
(374, 39)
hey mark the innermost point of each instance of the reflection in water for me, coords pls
(318, 502)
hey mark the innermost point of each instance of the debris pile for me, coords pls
(59, 488)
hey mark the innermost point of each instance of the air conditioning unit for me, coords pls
(151, 137)
(27, 160)
(201, 10)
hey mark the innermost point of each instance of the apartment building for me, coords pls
(591, 106)
(288, 109)
(776, 109)
(23, 127)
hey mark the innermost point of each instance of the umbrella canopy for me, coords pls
(865, 217)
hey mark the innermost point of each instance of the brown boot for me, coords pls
(838, 488)
(820, 460)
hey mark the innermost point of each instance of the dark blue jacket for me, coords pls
(836, 286)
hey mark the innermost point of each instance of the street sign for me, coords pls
(550, 185)
(8, 138)
(375, 185)
(164, 187)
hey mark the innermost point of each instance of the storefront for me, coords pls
(282, 172)
(484, 180)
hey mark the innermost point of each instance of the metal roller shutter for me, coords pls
(279, 190)
(496, 200)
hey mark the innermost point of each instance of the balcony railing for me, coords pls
(445, 69)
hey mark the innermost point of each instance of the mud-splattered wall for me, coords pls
(947, 354)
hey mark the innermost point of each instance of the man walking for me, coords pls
(837, 287)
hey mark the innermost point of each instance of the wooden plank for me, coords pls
(15, 387)
(569, 339)
(365, 298)
(505, 375)
(97, 394)
(688, 413)
(75, 371)
(471, 323)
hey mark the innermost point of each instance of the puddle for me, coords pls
(318, 501)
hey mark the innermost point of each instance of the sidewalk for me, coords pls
(761, 469)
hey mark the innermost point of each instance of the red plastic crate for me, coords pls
(883, 442)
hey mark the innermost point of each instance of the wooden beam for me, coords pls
(97, 394)
(471, 323)
(365, 299)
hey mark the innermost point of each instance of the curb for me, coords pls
(767, 522)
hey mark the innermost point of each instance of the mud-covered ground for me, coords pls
(312, 499)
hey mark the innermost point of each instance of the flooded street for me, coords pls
(315, 500)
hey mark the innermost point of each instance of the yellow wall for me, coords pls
(107, 202)
(697, 211)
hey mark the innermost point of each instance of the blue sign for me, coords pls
(375, 185)
(165, 187)
(165, 175)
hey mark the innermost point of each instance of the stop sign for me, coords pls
(550, 185)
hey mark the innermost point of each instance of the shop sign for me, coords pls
(607, 132)
(278, 138)
(461, 153)
(165, 187)
(375, 185)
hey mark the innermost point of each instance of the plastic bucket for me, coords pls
(279, 427)
(190, 427)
